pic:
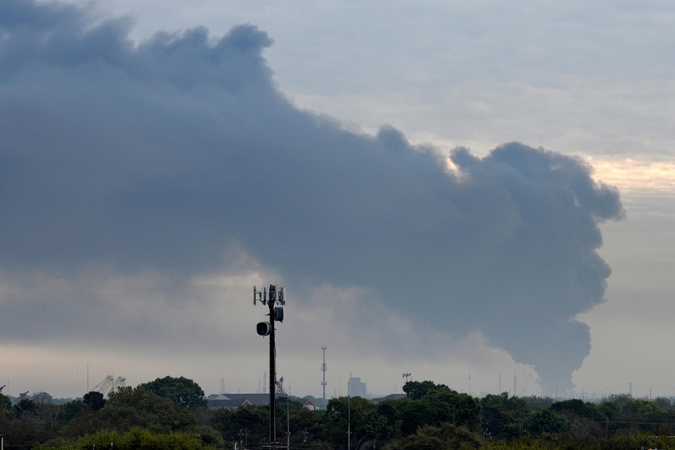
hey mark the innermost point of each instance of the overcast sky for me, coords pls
(460, 191)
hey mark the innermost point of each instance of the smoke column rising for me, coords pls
(160, 157)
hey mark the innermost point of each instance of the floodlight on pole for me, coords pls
(270, 298)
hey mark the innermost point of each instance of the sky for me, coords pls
(465, 192)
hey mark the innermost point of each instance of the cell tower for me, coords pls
(324, 369)
(271, 298)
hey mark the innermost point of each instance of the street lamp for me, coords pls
(276, 314)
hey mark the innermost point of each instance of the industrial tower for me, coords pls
(324, 369)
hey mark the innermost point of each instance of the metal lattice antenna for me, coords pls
(324, 369)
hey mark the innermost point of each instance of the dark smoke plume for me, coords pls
(162, 156)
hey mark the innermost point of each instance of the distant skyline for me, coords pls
(148, 186)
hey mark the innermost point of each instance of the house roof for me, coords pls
(389, 397)
(237, 400)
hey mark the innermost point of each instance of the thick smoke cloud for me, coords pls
(162, 156)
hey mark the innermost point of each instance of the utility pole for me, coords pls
(288, 423)
(276, 314)
(349, 422)
(324, 369)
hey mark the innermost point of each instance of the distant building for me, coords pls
(234, 401)
(355, 388)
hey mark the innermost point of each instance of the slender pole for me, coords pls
(349, 422)
(268, 329)
(273, 350)
(288, 423)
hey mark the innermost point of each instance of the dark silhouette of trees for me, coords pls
(437, 407)
(547, 421)
(415, 390)
(504, 416)
(182, 391)
(441, 418)
(94, 400)
(445, 437)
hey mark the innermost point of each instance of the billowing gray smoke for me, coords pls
(162, 156)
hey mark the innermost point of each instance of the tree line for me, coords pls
(172, 413)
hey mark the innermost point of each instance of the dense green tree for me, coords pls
(306, 429)
(41, 416)
(182, 391)
(42, 397)
(24, 409)
(20, 435)
(579, 408)
(208, 436)
(387, 410)
(68, 411)
(126, 408)
(504, 416)
(619, 400)
(136, 439)
(538, 404)
(663, 403)
(437, 407)
(5, 402)
(362, 415)
(28, 423)
(254, 421)
(415, 390)
(446, 437)
(129, 407)
(463, 409)
(251, 424)
(86, 422)
(639, 407)
(94, 400)
(441, 419)
(547, 421)
(609, 410)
